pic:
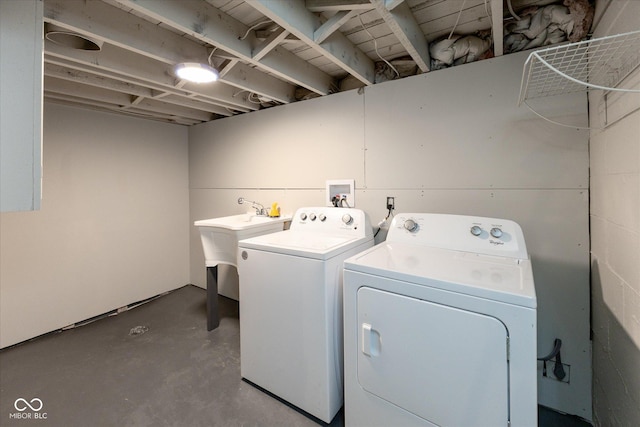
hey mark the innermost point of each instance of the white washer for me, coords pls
(440, 326)
(291, 306)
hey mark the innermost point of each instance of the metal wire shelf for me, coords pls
(602, 63)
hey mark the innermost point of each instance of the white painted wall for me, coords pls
(113, 228)
(451, 141)
(615, 238)
(21, 47)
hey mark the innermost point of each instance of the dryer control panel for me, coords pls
(481, 235)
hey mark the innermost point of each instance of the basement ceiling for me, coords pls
(268, 52)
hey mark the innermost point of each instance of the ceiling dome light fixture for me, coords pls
(196, 72)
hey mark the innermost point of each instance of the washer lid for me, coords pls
(304, 244)
(485, 276)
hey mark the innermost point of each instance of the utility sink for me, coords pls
(220, 235)
(220, 244)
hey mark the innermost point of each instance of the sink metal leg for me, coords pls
(213, 319)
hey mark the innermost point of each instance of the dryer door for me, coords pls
(446, 365)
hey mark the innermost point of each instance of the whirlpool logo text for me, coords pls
(28, 409)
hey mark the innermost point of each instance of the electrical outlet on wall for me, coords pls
(391, 203)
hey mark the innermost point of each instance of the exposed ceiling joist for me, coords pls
(392, 4)
(297, 19)
(90, 79)
(105, 107)
(157, 90)
(270, 43)
(402, 23)
(135, 68)
(267, 52)
(211, 25)
(63, 87)
(337, 5)
(122, 29)
(497, 27)
(332, 25)
(252, 80)
(85, 78)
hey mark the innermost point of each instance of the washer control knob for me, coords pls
(303, 216)
(411, 225)
(322, 217)
(312, 216)
(347, 219)
(496, 232)
(476, 230)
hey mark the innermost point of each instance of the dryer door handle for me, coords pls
(371, 342)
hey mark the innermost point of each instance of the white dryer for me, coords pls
(291, 306)
(440, 326)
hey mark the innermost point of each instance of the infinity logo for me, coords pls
(24, 404)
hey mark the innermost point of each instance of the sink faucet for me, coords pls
(257, 206)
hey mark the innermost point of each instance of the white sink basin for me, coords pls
(220, 235)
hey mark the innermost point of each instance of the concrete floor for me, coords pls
(174, 373)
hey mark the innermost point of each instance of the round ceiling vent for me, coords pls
(70, 39)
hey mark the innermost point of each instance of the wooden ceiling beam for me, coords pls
(87, 78)
(404, 26)
(497, 27)
(294, 17)
(129, 65)
(72, 101)
(269, 43)
(211, 25)
(337, 5)
(64, 87)
(158, 92)
(333, 24)
(127, 31)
